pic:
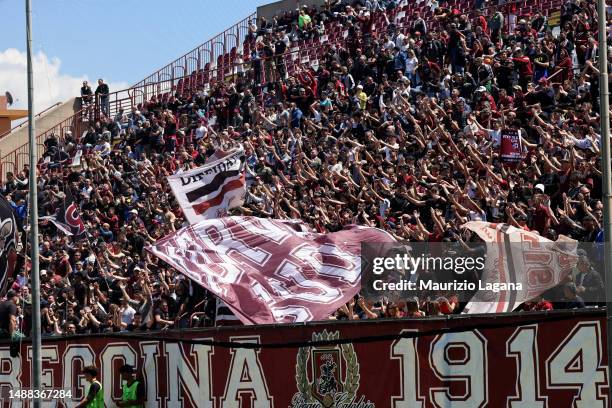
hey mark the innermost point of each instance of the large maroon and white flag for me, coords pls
(209, 191)
(271, 271)
(516, 256)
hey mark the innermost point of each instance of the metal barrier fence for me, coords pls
(15, 160)
(25, 122)
(212, 53)
(228, 73)
(211, 62)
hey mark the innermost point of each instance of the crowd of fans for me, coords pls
(399, 129)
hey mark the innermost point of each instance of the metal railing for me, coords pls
(197, 59)
(210, 62)
(15, 160)
(25, 122)
(214, 61)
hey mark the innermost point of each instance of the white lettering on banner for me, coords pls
(301, 269)
(523, 347)
(217, 268)
(471, 370)
(220, 266)
(10, 374)
(217, 233)
(345, 270)
(246, 377)
(195, 380)
(264, 228)
(261, 292)
(83, 354)
(149, 354)
(111, 353)
(576, 365)
(310, 290)
(179, 375)
(298, 313)
(404, 350)
(49, 354)
(306, 287)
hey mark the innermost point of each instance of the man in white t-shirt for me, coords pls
(127, 312)
(201, 131)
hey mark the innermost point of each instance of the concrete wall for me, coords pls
(270, 10)
(45, 122)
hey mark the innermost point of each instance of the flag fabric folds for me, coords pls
(68, 218)
(209, 191)
(271, 271)
(518, 256)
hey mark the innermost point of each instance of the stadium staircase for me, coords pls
(215, 60)
(13, 151)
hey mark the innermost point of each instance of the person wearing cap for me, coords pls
(133, 392)
(543, 214)
(504, 71)
(484, 74)
(95, 393)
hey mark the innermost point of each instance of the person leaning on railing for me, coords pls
(102, 92)
(86, 94)
(9, 328)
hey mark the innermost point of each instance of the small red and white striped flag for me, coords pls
(209, 191)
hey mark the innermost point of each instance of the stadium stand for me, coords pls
(379, 112)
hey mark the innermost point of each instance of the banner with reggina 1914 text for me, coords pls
(535, 360)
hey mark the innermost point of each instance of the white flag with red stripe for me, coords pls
(516, 256)
(209, 191)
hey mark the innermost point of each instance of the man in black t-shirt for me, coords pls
(541, 63)
(102, 92)
(162, 319)
(279, 50)
(9, 328)
(8, 315)
(137, 325)
(86, 94)
(268, 53)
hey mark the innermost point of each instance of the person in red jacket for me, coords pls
(481, 21)
(566, 65)
(525, 68)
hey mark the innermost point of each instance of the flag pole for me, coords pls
(34, 273)
(604, 115)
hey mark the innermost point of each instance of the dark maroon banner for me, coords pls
(521, 360)
(510, 146)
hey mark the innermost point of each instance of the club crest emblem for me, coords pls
(328, 376)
